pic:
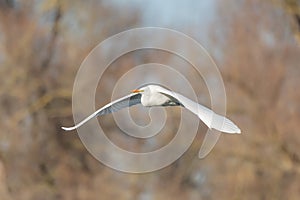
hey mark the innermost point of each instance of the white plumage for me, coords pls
(155, 95)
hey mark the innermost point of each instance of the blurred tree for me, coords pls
(292, 8)
(42, 43)
(7, 4)
(40, 53)
(259, 62)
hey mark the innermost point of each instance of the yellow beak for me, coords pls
(137, 91)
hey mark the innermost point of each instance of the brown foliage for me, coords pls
(41, 49)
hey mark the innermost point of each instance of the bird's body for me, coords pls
(155, 95)
(151, 97)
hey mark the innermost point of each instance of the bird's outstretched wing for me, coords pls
(209, 117)
(127, 101)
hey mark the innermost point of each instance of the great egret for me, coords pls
(155, 95)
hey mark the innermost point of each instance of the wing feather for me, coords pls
(209, 117)
(127, 101)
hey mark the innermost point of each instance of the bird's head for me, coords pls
(147, 90)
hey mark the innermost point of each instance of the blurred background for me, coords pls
(254, 43)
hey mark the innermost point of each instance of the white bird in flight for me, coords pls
(155, 95)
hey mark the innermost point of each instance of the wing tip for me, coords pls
(235, 129)
(230, 127)
(67, 128)
(239, 131)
